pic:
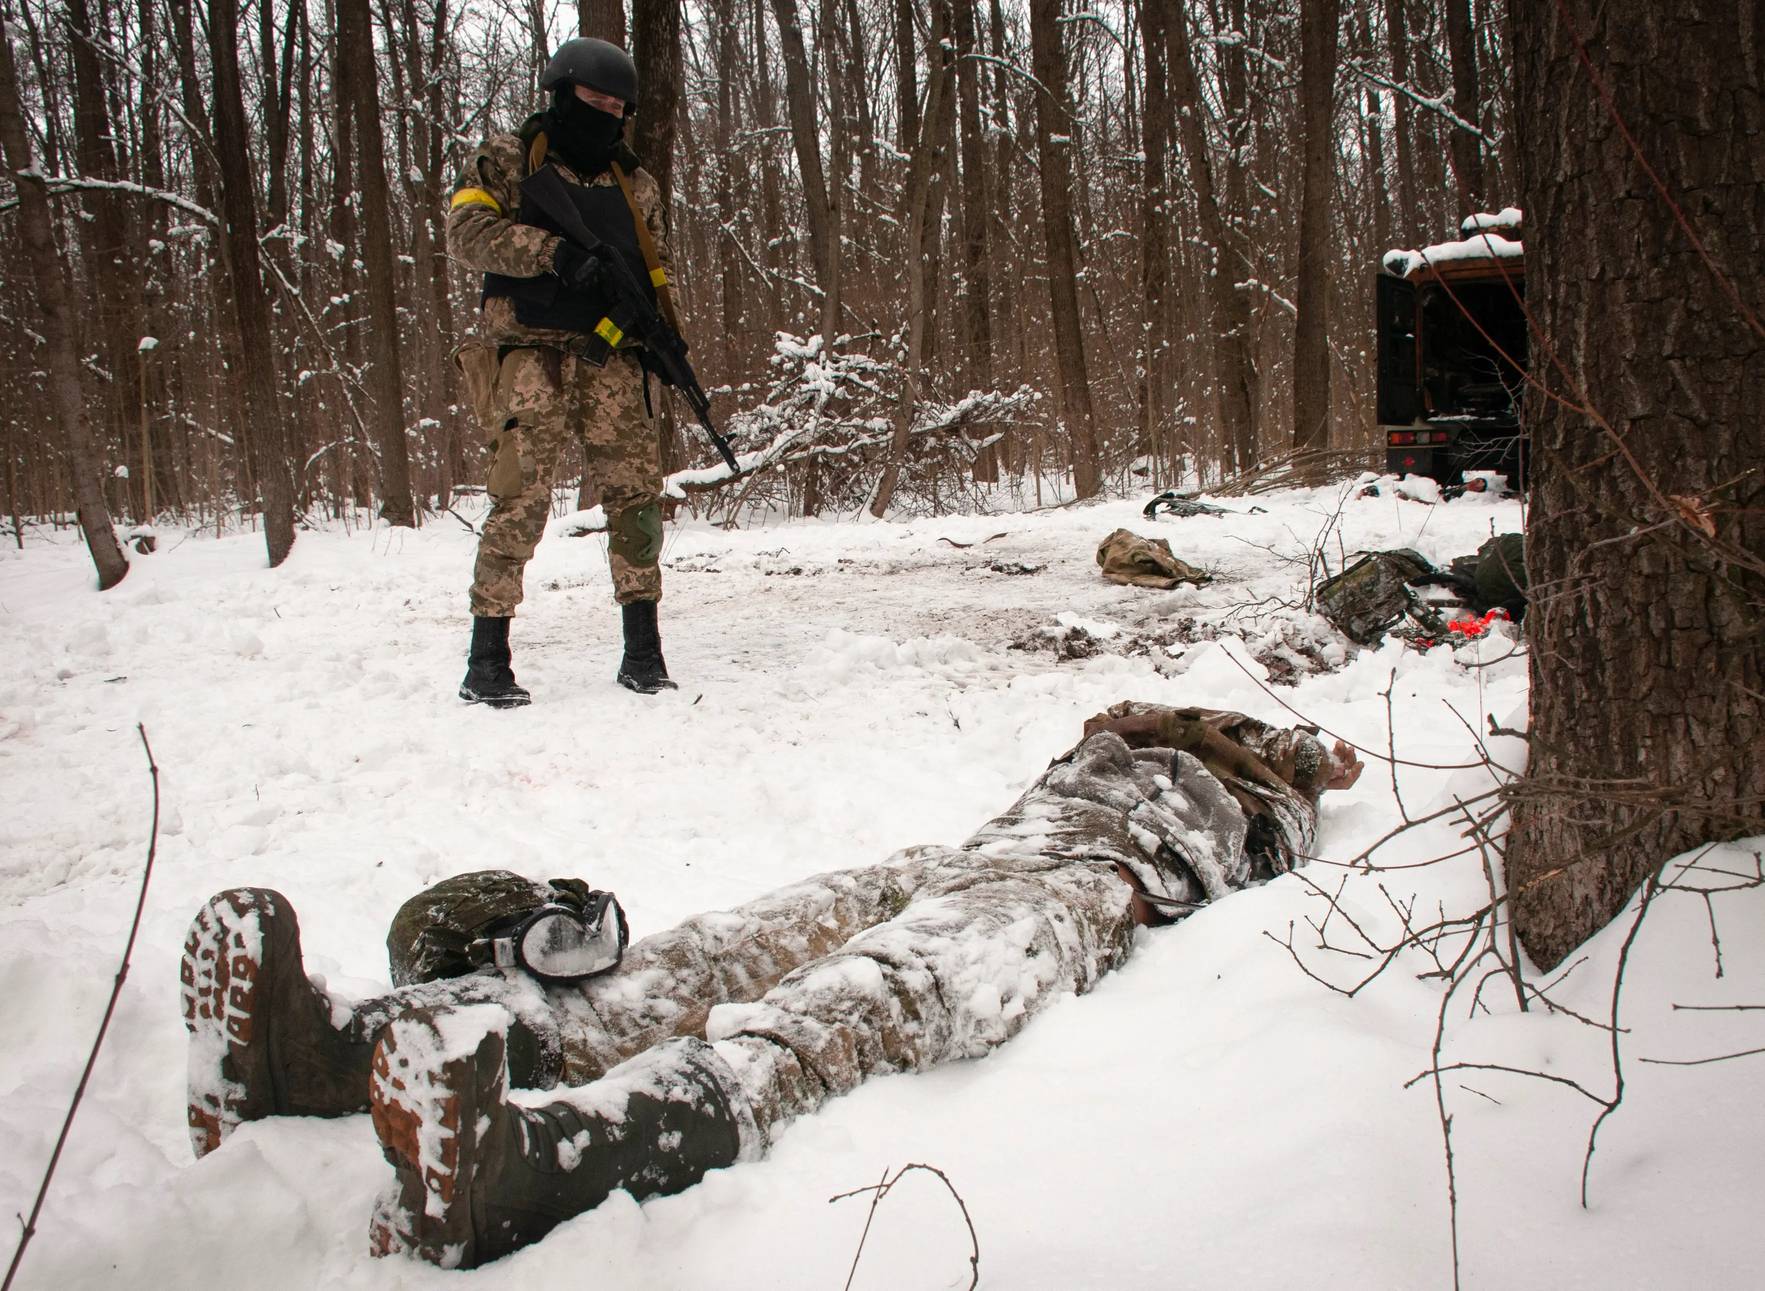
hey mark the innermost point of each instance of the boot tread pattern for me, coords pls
(219, 976)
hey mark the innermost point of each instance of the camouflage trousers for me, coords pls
(936, 954)
(544, 402)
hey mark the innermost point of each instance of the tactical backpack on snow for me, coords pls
(1372, 595)
(1496, 575)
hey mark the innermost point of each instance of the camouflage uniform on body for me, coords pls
(537, 396)
(740, 1021)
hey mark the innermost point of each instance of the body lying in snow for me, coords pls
(714, 1034)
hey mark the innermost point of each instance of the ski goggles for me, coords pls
(559, 942)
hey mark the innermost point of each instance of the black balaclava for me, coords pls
(585, 137)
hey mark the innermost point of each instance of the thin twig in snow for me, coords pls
(116, 990)
(881, 1190)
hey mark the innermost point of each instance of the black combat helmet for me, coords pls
(598, 64)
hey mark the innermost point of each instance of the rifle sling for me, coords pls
(652, 262)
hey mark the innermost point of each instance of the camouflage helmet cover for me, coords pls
(431, 933)
(598, 64)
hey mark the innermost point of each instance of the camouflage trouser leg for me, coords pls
(987, 941)
(669, 981)
(625, 456)
(524, 451)
(548, 400)
(666, 983)
(910, 924)
(939, 954)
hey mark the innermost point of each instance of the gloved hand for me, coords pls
(581, 270)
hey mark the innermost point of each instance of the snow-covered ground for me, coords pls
(1210, 1117)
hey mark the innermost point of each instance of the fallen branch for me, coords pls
(116, 990)
(1699, 1062)
(880, 1190)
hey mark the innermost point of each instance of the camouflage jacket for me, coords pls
(1186, 803)
(484, 233)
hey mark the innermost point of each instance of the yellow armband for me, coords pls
(475, 197)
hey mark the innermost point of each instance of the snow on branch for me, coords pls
(1440, 105)
(839, 405)
(60, 185)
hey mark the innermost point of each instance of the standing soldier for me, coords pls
(551, 368)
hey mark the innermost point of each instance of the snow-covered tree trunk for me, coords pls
(1467, 151)
(385, 375)
(33, 223)
(1228, 315)
(822, 213)
(1318, 28)
(1056, 131)
(266, 429)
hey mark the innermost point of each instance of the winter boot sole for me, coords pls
(430, 1111)
(496, 699)
(222, 964)
(478, 1177)
(645, 685)
(262, 1039)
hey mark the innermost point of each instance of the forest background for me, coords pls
(1009, 241)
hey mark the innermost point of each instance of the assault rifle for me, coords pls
(665, 351)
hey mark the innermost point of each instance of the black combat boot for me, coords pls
(489, 679)
(642, 668)
(264, 1041)
(479, 1177)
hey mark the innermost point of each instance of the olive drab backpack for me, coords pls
(1372, 596)
(1496, 575)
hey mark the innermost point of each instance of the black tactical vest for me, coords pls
(544, 301)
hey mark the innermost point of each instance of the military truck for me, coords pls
(1452, 354)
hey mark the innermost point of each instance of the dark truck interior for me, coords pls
(1472, 333)
(1452, 350)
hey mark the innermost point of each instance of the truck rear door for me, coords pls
(1399, 395)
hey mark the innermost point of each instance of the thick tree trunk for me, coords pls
(1003, 228)
(1156, 128)
(1229, 315)
(858, 92)
(735, 340)
(426, 200)
(916, 213)
(602, 18)
(1403, 136)
(839, 141)
(110, 261)
(1311, 327)
(824, 232)
(906, 77)
(977, 278)
(655, 47)
(277, 104)
(251, 307)
(1378, 193)
(1055, 127)
(1646, 542)
(766, 119)
(156, 449)
(1467, 154)
(32, 225)
(348, 280)
(385, 375)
